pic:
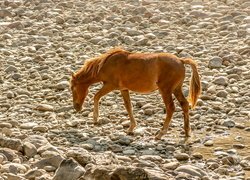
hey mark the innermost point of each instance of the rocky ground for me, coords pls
(43, 41)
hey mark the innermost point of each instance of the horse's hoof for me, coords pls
(188, 134)
(157, 138)
(130, 133)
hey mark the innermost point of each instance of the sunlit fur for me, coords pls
(140, 72)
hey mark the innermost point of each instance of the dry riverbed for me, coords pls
(42, 137)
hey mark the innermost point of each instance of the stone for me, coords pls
(44, 107)
(124, 140)
(2, 158)
(215, 62)
(192, 170)
(171, 165)
(14, 144)
(28, 125)
(209, 143)
(29, 149)
(69, 169)
(51, 161)
(41, 128)
(8, 154)
(228, 123)
(34, 173)
(62, 85)
(5, 13)
(82, 156)
(37, 140)
(222, 93)
(14, 168)
(5, 125)
(113, 172)
(6, 36)
(128, 152)
(221, 81)
(10, 69)
(16, 76)
(181, 156)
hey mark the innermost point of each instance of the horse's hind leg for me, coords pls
(170, 107)
(128, 106)
(185, 108)
(104, 90)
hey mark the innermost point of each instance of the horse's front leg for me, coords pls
(128, 106)
(104, 90)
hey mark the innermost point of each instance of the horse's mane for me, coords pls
(93, 66)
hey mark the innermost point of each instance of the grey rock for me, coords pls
(40, 128)
(62, 85)
(36, 140)
(6, 36)
(30, 150)
(16, 76)
(113, 172)
(124, 140)
(11, 69)
(34, 173)
(221, 81)
(28, 125)
(209, 143)
(82, 156)
(128, 152)
(5, 125)
(215, 62)
(192, 170)
(10, 94)
(181, 156)
(51, 161)
(171, 165)
(228, 123)
(11, 176)
(222, 93)
(14, 144)
(69, 169)
(14, 168)
(5, 13)
(44, 107)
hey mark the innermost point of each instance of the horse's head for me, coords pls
(79, 92)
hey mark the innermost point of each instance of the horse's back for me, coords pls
(142, 72)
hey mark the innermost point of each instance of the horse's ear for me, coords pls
(73, 75)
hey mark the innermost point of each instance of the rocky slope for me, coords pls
(43, 41)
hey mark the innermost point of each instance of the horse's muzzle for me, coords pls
(77, 107)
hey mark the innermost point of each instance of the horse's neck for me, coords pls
(88, 79)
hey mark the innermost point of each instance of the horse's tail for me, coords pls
(195, 84)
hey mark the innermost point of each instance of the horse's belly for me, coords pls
(140, 87)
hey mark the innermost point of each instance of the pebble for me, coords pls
(44, 107)
(28, 125)
(221, 81)
(228, 123)
(5, 13)
(215, 62)
(62, 85)
(181, 156)
(192, 170)
(10, 69)
(128, 152)
(171, 165)
(209, 143)
(29, 149)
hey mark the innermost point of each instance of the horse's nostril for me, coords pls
(77, 106)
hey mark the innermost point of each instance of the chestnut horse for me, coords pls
(140, 72)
